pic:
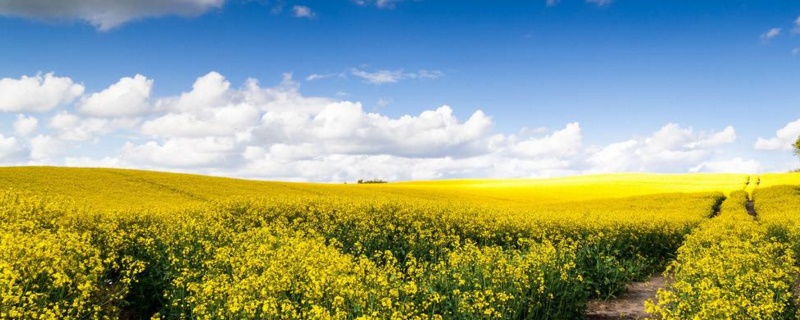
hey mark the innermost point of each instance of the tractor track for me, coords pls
(630, 304)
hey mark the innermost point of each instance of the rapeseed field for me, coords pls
(108, 244)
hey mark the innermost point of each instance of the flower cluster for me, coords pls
(730, 268)
(220, 249)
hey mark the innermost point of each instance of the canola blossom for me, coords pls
(730, 268)
(105, 244)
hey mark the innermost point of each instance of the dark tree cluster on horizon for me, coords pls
(796, 146)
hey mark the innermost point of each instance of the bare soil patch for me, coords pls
(629, 305)
(751, 208)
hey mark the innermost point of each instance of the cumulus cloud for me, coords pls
(771, 33)
(783, 138)
(10, 149)
(560, 143)
(302, 12)
(275, 132)
(181, 153)
(75, 128)
(714, 139)
(671, 148)
(344, 128)
(105, 15)
(44, 147)
(38, 93)
(282, 120)
(212, 108)
(735, 165)
(392, 76)
(25, 125)
(128, 97)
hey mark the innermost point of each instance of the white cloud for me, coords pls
(25, 125)
(210, 109)
(796, 28)
(616, 157)
(783, 138)
(106, 162)
(383, 4)
(10, 149)
(285, 125)
(771, 33)
(383, 102)
(715, 139)
(64, 120)
(426, 74)
(670, 136)
(560, 143)
(302, 12)
(220, 122)
(386, 3)
(379, 77)
(319, 76)
(526, 132)
(275, 132)
(316, 76)
(600, 3)
(344, 128)
(672, 148)
(38, 93)
(796, 51)
(128, 97)
(673, 136)
(499, 163)
(393, 76)
(181, 153)
(44, 147)
(74, 128)
(735, 165)
(207, 90)
(105, 15)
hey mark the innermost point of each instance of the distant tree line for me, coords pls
(796, 147)
(362, 181)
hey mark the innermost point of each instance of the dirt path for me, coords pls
(751, 208)
(630, 305)
(750, 205)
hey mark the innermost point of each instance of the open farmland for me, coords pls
(106, 243)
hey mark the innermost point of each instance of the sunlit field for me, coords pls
(107, 243)
(119, 189)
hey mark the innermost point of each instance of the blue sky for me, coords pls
(413, 89)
